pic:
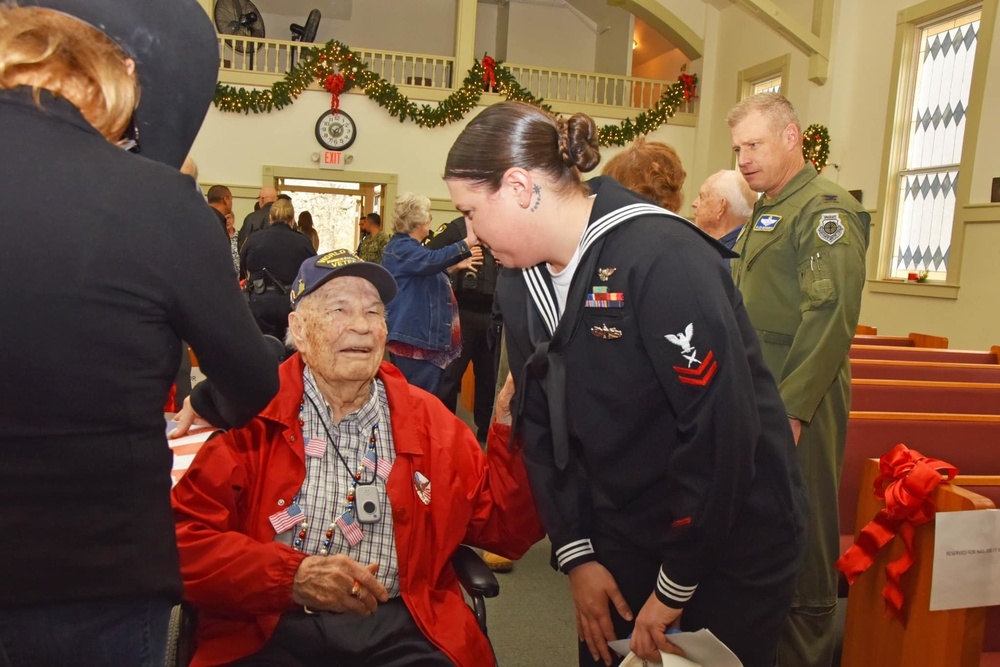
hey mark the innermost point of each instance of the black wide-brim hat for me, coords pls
(176, 54)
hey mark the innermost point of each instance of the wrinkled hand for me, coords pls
(324, 583)
(593, 586)
(649, 636)
(185, 419)
(501, 411)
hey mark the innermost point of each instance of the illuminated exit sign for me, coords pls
(331, 160)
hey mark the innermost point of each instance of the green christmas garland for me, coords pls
(335, 57)
(816, 145)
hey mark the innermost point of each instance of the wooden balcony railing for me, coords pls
(244, 60)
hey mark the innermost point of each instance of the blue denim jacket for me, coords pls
(420, 314)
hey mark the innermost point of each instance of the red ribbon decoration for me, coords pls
(906, 482)
(489, 73)
(335, 84)
(688, 81)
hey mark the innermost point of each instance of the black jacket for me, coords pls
(279, 249)
(475, 293)
(647, 412)
(107, 260)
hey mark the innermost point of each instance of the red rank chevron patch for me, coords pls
(701, 375)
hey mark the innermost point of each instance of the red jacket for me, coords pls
(240, 579)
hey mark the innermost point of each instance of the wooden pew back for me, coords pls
(952, 638)
(922, 354)
(969, 442)
(916, 370)
(918, 396)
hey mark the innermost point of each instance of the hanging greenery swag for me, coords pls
(336, 58)
(816, 145)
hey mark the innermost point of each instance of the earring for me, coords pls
(523, 204)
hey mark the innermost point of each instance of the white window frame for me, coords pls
(909, 24)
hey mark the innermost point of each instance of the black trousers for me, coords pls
(745, 609)
(387, 638)
(270, 311)
(475, 348)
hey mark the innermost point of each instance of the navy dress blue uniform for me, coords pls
(654, 435)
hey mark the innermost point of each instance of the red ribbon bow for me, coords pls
(688, 81)
(334, 83)
(489, 73)
(906, 482)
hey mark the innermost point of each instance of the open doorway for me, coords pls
(337, 201)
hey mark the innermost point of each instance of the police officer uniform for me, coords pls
(801, 271)
(272, 258)
(654, 436)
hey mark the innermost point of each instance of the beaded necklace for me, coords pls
(350, 509)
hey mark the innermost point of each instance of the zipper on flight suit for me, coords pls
(746, 266)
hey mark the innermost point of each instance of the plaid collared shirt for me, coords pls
(323, 496)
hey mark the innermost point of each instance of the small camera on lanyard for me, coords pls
(367, 507)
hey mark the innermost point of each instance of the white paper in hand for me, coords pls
(701, 649)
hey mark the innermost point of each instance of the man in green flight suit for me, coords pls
(801, 271)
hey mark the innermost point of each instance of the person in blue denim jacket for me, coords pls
(424, 333)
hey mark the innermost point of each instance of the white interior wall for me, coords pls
(413, 26)
(549, 36)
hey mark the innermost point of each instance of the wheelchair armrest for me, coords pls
(476, 578)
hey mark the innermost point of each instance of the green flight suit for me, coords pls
(801, 271)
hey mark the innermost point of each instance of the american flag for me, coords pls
(316, 448)
(381, 466)
(350, 528)
(286, 519)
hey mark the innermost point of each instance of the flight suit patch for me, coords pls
(830, 229)
(703, 369)
(766, 223)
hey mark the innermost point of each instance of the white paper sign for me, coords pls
(966, 560)
(701, 648)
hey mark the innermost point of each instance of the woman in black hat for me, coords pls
(107, 260)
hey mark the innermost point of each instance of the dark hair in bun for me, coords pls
(516, 134)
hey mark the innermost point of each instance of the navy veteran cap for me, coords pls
(317, 271)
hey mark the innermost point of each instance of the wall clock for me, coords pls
(335, 130)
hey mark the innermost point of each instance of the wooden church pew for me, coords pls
(910, 340)
(865, 330)
(988, 486)
(917, 370)
(952, 638)
(969, 442)
(897, 341)
(922, 354)
(925, 396)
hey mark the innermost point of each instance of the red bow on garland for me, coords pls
(906, 482)
(489, 73)
(334, 83)
(688, 81)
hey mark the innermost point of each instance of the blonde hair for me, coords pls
(776, 108)
(653, 169)
(282, 212)
(48, 50)
(410, 212)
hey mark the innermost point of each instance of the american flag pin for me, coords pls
(286, 518)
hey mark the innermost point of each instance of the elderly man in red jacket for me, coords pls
(321, 532)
